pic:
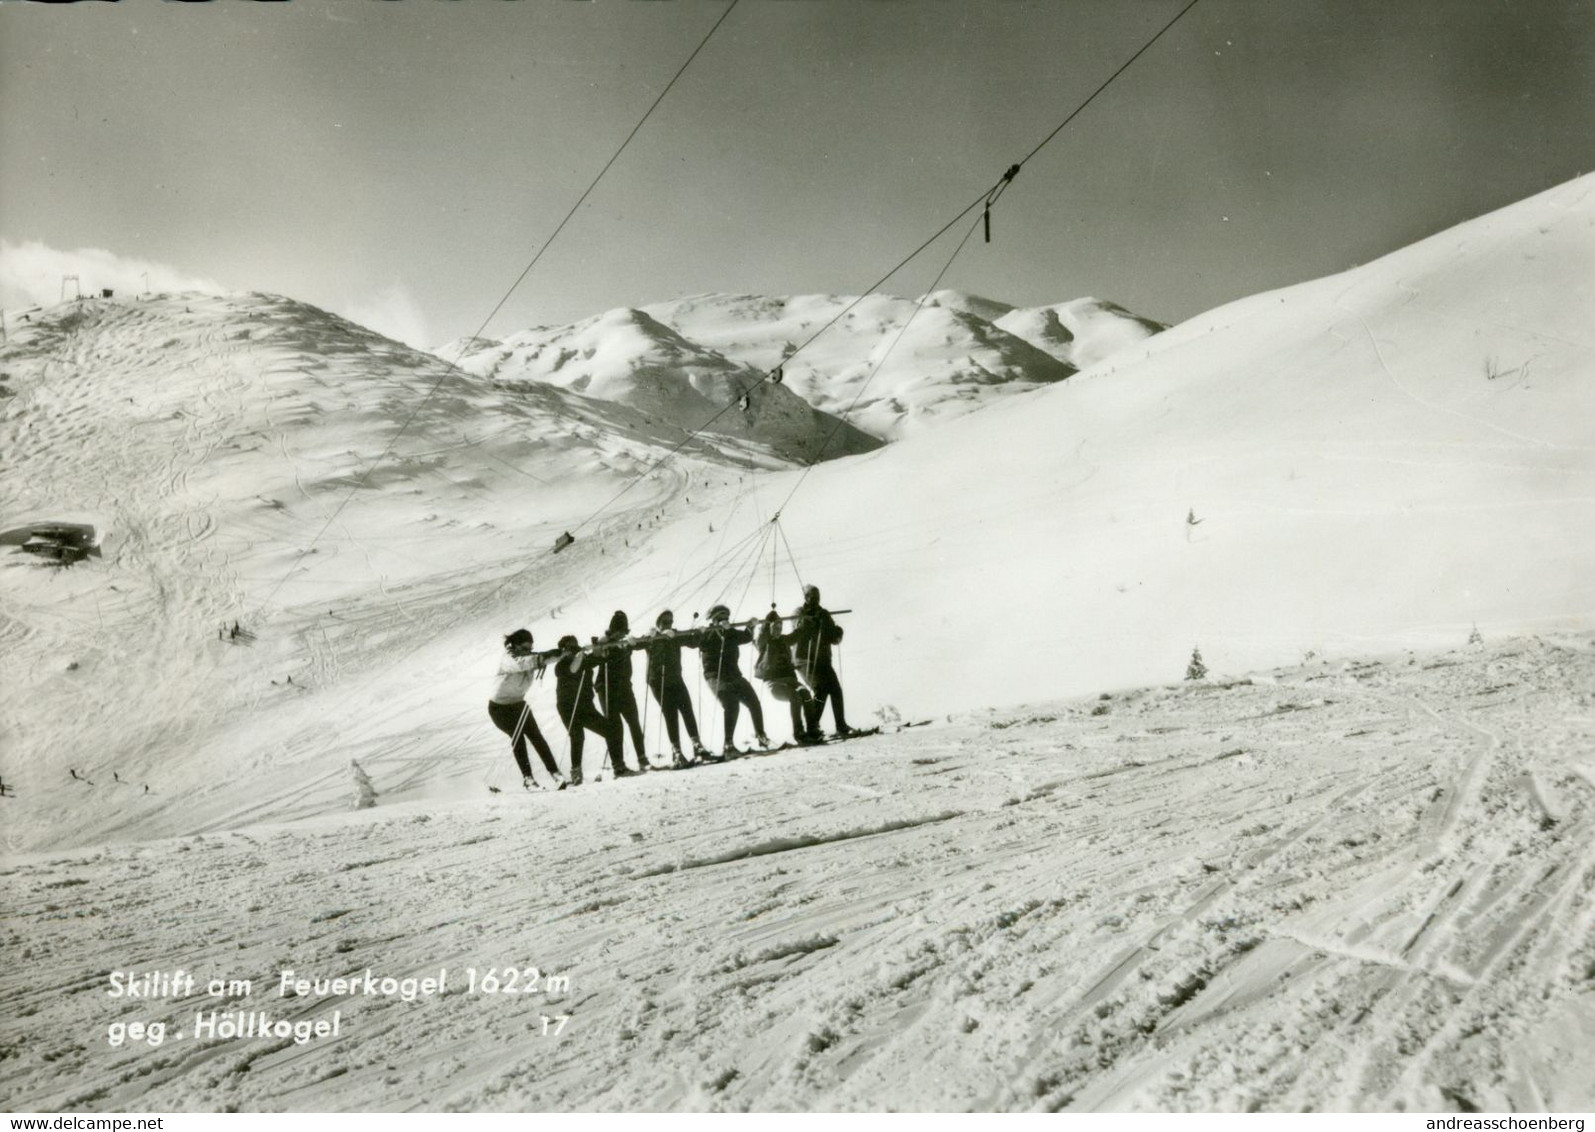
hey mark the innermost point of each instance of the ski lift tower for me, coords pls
(76, 286)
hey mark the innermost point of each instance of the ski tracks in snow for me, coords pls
(1361, 885)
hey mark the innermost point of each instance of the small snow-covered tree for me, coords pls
(365, 794)
(1196, 670)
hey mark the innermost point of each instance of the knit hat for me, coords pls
(519, 637)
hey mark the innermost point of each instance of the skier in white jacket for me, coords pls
(512, 714)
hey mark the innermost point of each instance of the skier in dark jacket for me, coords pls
(774, 667)
(669, 689)
(717, 648)
(510, 712)
(615, 695)
(574, 674)
(814, 631)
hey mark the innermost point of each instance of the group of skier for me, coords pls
(593, 685)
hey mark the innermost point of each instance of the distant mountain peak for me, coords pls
(630, 357)
(977, 305)
(897, 365)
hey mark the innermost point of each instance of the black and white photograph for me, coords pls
(798, 556)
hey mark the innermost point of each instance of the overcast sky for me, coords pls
(402, 162)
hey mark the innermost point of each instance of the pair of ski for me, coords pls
(826, 741)
(752, 752)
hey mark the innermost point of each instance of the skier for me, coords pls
(615, 695)
(774, 667)
(573, 692)
(814, 631)
(669, 689)
(717, 648)
(511, 713)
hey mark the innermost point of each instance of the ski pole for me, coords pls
(520, 724)
(520, 729)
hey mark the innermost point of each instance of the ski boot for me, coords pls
(677, 759)
(529, 783)
(762, 741)
(699, 751)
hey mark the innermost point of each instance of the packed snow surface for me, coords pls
(1341, 885)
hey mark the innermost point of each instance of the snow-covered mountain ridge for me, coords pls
(890, 366)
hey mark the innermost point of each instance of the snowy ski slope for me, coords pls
(1351, 870)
